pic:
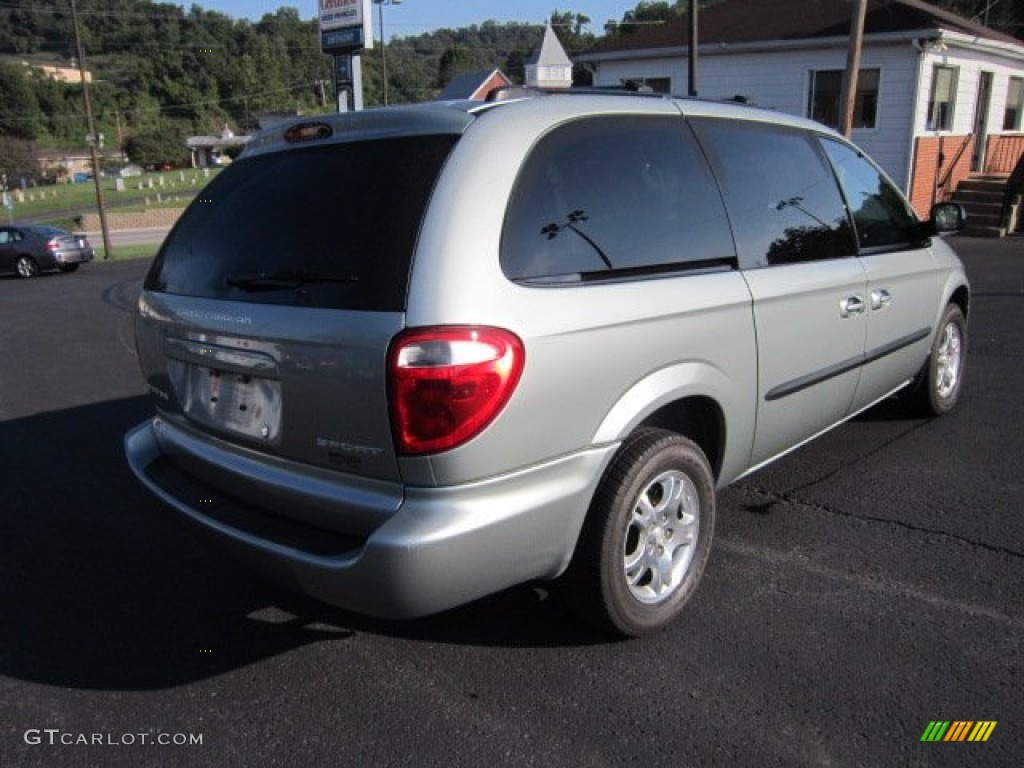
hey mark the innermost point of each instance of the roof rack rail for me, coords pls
(510, 92)
(630, 87)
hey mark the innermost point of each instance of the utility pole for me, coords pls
(692, 85)
(848, 98)
(120, 135)
(93, 138)
(383, 44)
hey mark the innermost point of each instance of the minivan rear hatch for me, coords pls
(267, 314)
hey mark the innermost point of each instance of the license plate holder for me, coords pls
(239, 403)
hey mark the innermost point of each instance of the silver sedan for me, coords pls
(28, 250)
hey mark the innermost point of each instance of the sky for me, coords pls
(413, 17)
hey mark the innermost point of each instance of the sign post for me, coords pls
(345, 32)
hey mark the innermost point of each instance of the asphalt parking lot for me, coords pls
(861, 588)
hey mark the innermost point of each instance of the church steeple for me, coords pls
(549, 66)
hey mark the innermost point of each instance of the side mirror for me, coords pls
(946, 218)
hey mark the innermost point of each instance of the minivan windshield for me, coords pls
(331, 226)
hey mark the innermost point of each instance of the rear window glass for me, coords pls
(332, 226)
(613, 196)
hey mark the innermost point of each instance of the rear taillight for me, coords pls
(52, 245)
(447, 384)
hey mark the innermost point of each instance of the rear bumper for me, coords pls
(442, 547)
(79, 256)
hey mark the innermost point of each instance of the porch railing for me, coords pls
(1014, 189)
(1004, 153)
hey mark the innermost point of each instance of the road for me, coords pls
(860, 588)
(144, 236)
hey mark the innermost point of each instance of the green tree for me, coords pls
(646, 12)
(20, 116)
(154, 148)
(1003, 15)
(19, 159)
(454, 61)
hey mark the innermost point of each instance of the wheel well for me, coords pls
(698, 418)
(961, 298)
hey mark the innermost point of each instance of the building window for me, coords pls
(649, 84)
(942, 99)
(1014, 104)
(826, 91)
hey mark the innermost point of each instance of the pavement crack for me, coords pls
(789, 497)
(871, 583)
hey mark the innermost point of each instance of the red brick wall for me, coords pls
(927, 150)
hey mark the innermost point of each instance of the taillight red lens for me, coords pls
(449, 383)
(52, 245)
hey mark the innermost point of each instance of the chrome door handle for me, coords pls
(852, 305)
(880, 298)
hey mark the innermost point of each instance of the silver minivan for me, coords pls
(405, 358)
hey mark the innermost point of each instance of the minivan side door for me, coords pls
(902, 278)
(798, 255)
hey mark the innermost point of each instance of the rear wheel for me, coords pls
(943, 374)
(647, 537)
(26, 266)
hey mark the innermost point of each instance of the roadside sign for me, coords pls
(345, 26)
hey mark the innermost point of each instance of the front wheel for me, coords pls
(647, 536)
(943, 374)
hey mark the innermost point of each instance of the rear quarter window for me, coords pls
(331, 226)
(612, 196)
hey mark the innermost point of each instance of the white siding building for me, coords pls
(939, 96)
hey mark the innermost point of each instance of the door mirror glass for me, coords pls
(948, 217)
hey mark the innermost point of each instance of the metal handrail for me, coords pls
(944, 182)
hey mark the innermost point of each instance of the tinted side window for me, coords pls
(881, 216)
(782, 196)
(331, 226)
(609, 195)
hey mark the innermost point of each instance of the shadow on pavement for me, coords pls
(103, 588)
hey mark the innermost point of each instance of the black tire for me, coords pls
(68, 267)
(631, 573)
(941, 379)
(26, 266)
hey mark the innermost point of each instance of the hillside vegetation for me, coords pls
(162, 72)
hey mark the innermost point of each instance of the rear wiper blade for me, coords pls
(284, 279)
